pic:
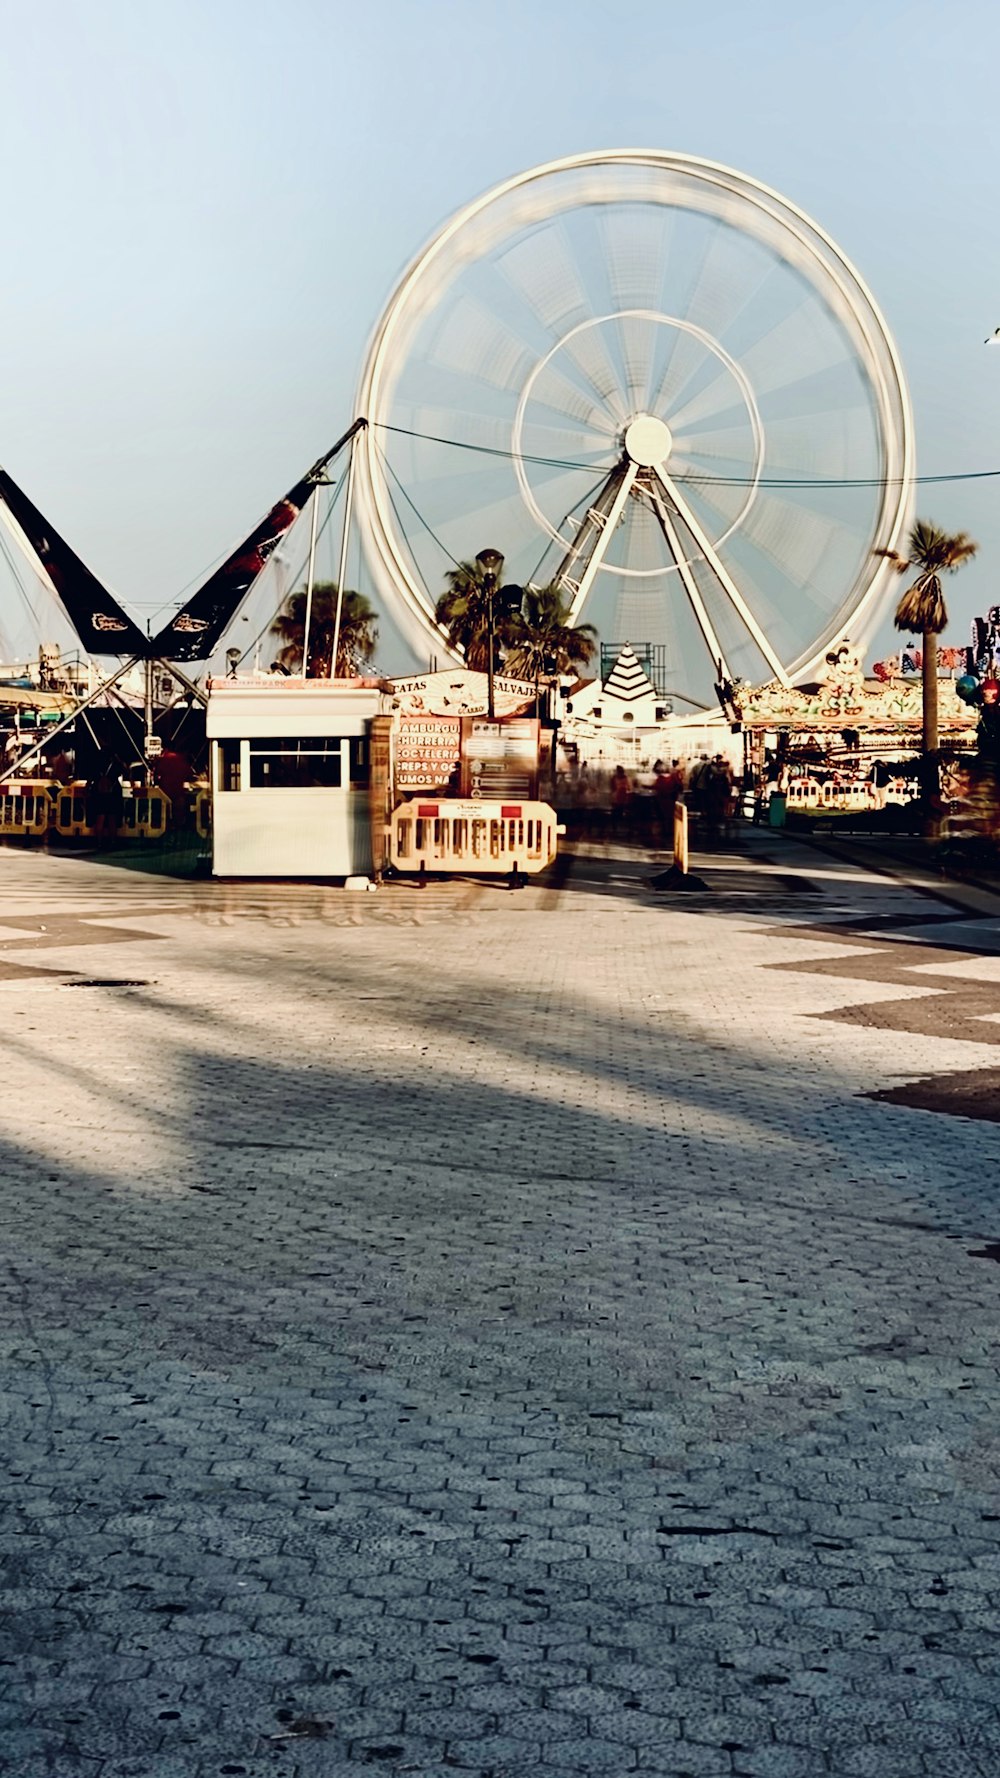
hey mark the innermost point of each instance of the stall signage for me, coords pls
(500, 759)
(462, 692)
(427, 751)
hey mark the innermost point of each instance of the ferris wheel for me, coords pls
(656, 382)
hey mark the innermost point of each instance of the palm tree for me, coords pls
(356, 642)
(543, 642)
(463, 609)
(922, 609)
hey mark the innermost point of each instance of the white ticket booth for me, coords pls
(290, 772)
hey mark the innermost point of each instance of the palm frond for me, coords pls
(899, 563)
(543, 641)
(357, 638)
(922, 609)
(938, 551)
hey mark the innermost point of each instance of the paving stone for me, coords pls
(687, 1760)
(779, 1762)
(592, 1755)
(499, 1751)
(525, 1320)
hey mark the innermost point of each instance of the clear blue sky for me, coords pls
(206, 203)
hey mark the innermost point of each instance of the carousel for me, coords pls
(846, 749)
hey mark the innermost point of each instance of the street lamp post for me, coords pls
(491, 562)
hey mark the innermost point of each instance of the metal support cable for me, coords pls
(432, 534)
(721, 481)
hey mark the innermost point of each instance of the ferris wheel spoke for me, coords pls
(725, 458)
(709, 496)
(635, 345)
(790, 350)
(686, 359)
(545, 275)
(560, 410)
(836, 445)
(587, 350)
(473, 343)
(547, 434)
(722, 574)
(635, 245)
(554, 290)
(794, 538)
(713, 405)
(717, 294)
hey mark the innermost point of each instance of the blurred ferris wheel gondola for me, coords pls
(655, 380)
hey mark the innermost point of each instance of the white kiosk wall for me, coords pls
(290, 773)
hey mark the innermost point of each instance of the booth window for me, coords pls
(229, 766)
(360, 762)
(296, 763)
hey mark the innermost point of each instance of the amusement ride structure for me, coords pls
(662, 386)
(652, 380)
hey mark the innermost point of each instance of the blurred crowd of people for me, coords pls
(638, 805)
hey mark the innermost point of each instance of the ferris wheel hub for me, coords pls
(648, 441)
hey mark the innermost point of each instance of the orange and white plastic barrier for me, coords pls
(25, 807)
(443, 834)
(69, 810)
(201, 809)
(145, 814)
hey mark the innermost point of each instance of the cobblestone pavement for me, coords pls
(485, 1333)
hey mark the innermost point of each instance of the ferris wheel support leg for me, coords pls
(722, 575)
(600, 550)
(595, 518)
(689, 583)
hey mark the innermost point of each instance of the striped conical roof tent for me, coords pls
(628, 679)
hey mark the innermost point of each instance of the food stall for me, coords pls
(290, 773)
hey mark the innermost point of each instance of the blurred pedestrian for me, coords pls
(716, 798)
(621, 796)
(667, 790)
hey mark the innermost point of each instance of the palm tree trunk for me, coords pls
(929, 680)
(931, 773)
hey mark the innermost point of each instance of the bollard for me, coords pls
(680, 838)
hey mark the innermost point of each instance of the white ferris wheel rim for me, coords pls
(882, 365)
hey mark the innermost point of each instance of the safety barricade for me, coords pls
(803, 793)
(25, 807)
(145, 814)
(471, 836)
(69, 811)
(850, 797)
(201, 809)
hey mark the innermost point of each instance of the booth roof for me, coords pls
(289, 682)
